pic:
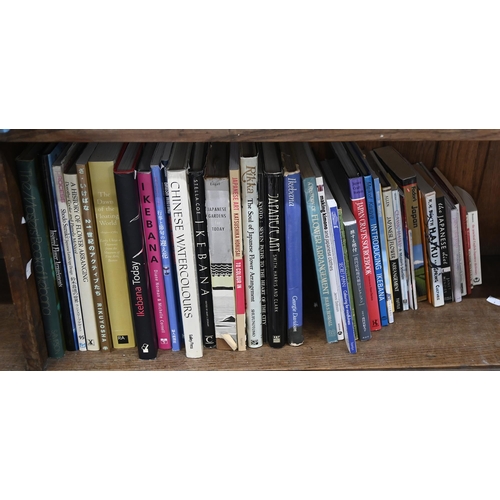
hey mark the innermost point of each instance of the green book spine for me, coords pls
(41, 264)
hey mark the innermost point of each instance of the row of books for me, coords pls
(193, 245)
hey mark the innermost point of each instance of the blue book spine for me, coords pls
(293, 253)
(375, 240)
(319, 250)
(166, 257)
(344, 285)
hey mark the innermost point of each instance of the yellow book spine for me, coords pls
(112, 256)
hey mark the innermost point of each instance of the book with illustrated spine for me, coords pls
(92, 247)
(152, 245)
(237, 240)
(249, 164)
(127, 195)
(184, 247)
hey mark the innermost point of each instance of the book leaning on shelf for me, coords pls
(183, 236)
(109, 235)
(127, 196)
(41, 263)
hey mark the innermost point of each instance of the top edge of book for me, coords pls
(129, 159)
(106, 151)
(397, 164)
(272, 165)
(217, 162)
(180, 156)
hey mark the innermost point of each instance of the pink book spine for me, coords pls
(153, 254)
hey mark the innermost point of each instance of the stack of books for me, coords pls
(195, 246)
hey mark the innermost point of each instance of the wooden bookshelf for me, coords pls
(463, 335)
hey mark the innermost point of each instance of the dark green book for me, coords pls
(42, 265)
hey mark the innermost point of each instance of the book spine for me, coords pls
(398, 225)
(64, 294)
(433, 250)
(139, 291)
(293, 256)
(332, 265)
(94, 259)
(347, 318)
(466, 249)
(392, 249)
(197, 191)
(444, 249)
(221, 261)
(358, 205)
(42, 263)
(376, 248)
(457, 274)
(173, 299)
(274, 235)
(379, 203)
(262, 253)
(237, 240)
(109, 236)
(406, 250)
(318, 244)
(154, 260)
(462, 251)
(67, 245)
(81, 263)
(251, 232)
(473, 222)
(183, 235)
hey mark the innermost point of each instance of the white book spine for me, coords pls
(475, 248)
(81, 264)
(390, 234)
(184, 249)
(461, 255)
(434, 253)
(250, 216)
(398, 223)
(67, 243)
(412, 266)
(455, 254)
(331, 261)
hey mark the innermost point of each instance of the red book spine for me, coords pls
(360, 213)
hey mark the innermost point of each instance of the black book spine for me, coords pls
(197, 196)
(274, 235)
(263, 289)
(137, 272)
(69, 329)
(445, 250)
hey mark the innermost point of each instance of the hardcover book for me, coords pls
(66, 239)
(140, 298)
(404, 175)
(314, 219)
(249, 163)
(351, 182)
(197, 192)
(262, 250)
(152, 245)
(220, 244)
(353, 249)
(293, 244)
(47, 158)
(274, 238)
(237, 240)
(428, 201)
(92, 247)
(362, 166)
(173, 299)
(109, 235)
(76, 225)
(473, 234)
(184, 247)
(42, 264)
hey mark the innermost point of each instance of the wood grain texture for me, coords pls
(16, 252)
(202, 135)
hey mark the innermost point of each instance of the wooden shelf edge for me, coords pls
(240, 135)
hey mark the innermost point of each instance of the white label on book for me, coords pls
(28, 269)
(493, 300)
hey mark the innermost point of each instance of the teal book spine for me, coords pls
(319, 251)
(42, 263)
